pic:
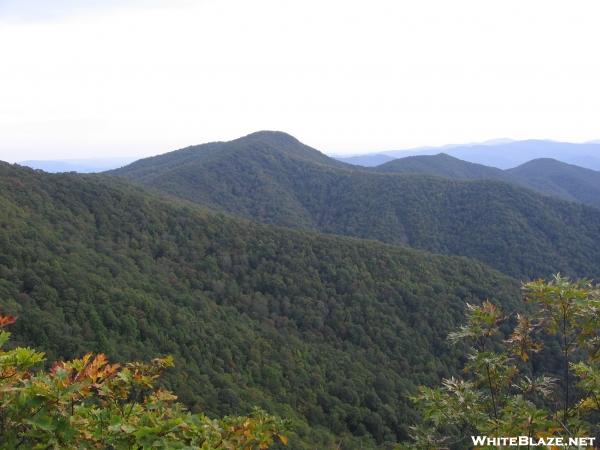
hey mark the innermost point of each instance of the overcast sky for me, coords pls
(86, 78)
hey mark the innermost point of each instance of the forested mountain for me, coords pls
(545, 175)
(443, 165)
(331, 332)
(560, 179)
(261, 143)
(272, 178)
(503, 153)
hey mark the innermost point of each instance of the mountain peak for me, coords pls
(278, 137)
(443, 155)
(253, 150)
(281, 143)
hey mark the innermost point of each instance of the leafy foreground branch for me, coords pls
(505, 392)
(88, 403)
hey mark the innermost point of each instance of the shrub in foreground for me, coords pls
(89, 403)
(542, 381)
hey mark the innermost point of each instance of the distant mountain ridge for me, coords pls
(501, 153)
(585, 155)
(545, 175)
(273, 178)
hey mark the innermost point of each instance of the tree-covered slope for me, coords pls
(237, 176)
(513, 229)
(443, 165)
(505, 153)
(545, 175)
(560, 179)
(331, 332)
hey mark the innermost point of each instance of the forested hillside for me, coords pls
(443, 165)
(560, 179)
(499, 153)
(330, 332)
(545, 175)
(272, 178)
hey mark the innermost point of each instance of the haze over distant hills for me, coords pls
(499, 153)
(273, 178)
(89, 165)
(368, 160)
(381, 157)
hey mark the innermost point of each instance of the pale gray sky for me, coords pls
(85, 78)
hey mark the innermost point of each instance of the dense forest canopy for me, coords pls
(560, 179)
(90, 403)
(544, 175)
(331, 332)
(271, 177)
(500, 153)
(443, 165)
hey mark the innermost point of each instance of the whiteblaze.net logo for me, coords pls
(519, 441)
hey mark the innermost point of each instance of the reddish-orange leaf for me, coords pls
(7, 320)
